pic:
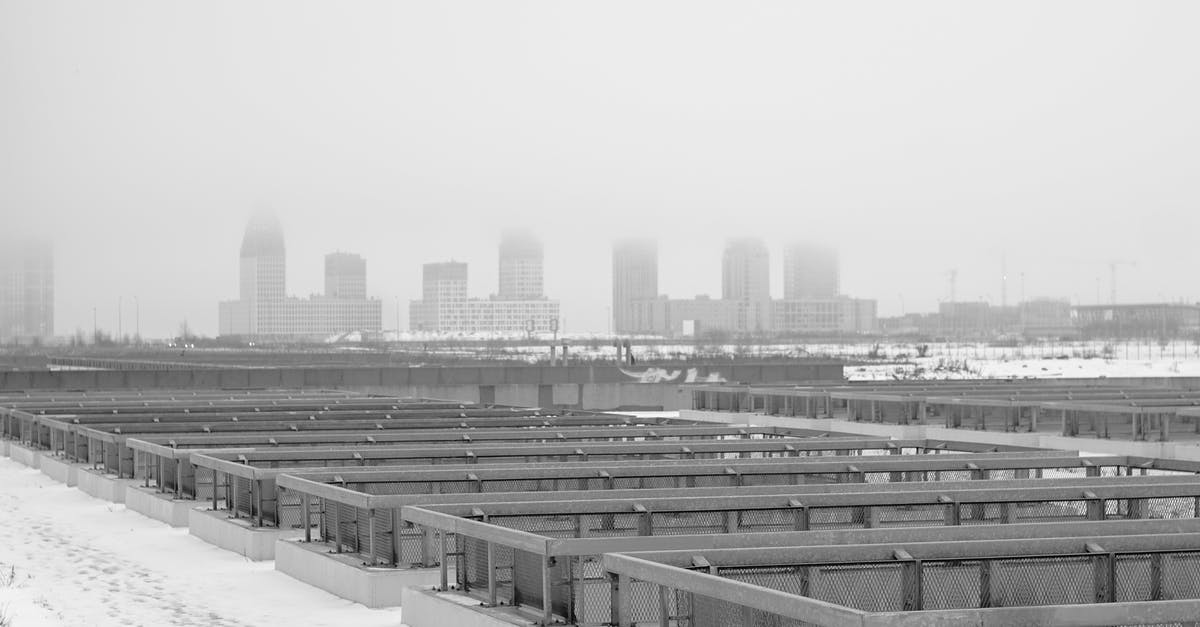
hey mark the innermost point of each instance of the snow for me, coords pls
(67, 559)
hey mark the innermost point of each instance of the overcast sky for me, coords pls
(918, 137)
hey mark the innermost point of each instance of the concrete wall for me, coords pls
(425, 608)
(580, 387)
(218, 529)
(346, 577)
(408, 377)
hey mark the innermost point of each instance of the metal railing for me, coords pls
(1125, 412)
(1102, 579)
(259, 481)
(564, 581)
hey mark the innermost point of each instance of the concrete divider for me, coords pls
(347, 576)
(25, 455)
(163, 507)
(236, 534)
(59, 469)
(424, 607)
(102, 486)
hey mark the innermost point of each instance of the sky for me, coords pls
(1045, 138)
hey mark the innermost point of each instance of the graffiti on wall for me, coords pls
(662, 375)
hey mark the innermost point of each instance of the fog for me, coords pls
(916, 137)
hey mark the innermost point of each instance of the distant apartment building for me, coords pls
(265, 312)
(26, 291)
(1047, 318)
(345, 276)
(745, 306)
(445, 308)
(746, 278)
(634, 284)
(1139, 320)
(810, 272)
(839, 315)
(521, 267)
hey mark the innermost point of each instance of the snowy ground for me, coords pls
(67, 559)
(1068, 368)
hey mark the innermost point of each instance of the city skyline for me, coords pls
(406, 132)
(707, 275)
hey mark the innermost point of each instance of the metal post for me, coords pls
(337, 526)
(396, 537)
(445, 567)
(547, 602)
(256, 495)
(910, 581)
(491, 573)
(304, 503)
(371, 535)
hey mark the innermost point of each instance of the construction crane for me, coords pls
(1113, 264)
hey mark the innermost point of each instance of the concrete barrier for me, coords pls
(25, 455)
(346, 576)
(102, 486)
(424, 607)
(163, 507)
(236, 534)
(59, 469)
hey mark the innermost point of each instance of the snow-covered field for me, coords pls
(1069, 368)
(67, 559)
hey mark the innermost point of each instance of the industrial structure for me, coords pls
(816, 504)
(265, 312)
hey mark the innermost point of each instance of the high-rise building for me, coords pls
(445, 308)
(634, 278)
(746, 278)
(26, 291)
(266, 312)
(810, 272)
(746, 270)
(263, 260)
(521, 271)
(345, 276)
(443, 297)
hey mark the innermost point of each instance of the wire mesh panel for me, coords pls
(592, 592)
(689, 523)
(874, 588)
(836, 518)
(203, 483)
(1181, 575)
(910, 516)
(1042, 581)
(243, 498)
(473, 569)
(611, 525)
(555, 526)
(953, 584)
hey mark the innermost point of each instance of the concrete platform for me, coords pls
(424, 607)
(102, 486)
(164, 507)
(236, 534)
(346, 576)
(59, 469)
(27, 456)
